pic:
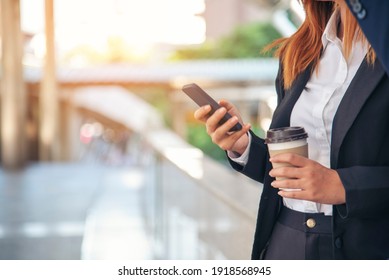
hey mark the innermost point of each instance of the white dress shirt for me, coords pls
(316, 107)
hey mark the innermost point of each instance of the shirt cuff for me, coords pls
(243, 158)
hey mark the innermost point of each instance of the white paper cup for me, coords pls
(287, 140)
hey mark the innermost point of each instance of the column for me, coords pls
(48, 98)
(13, 96)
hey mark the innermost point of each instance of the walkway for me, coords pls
(151, 196)
(68, 211)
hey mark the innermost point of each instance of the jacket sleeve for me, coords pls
(367, 192)
(256, 164)
(258, 153)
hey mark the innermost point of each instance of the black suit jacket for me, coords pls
(373, 17)
(359, 153)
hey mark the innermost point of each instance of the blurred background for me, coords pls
(101, 157)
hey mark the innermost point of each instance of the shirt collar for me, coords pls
(331, 30)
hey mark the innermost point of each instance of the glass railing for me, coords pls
(191, 206)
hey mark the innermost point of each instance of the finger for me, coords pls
(224, 103)
(224, 129)
(202, 114)
(291, 158)
(214, 120)
(286, 172)
(293, 194)
(231, 109)
(237, 134)
(287, 184)
(228, 141)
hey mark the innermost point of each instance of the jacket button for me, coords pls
(361, 14)
(311, 223)
(357, 7)
(338, 242)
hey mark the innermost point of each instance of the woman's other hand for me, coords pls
(317, 182)
(230, 141)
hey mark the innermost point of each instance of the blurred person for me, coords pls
(372, 16)
(330, 83)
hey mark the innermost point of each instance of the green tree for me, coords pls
(245, 41)
(198, 137)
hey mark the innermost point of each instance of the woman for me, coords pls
(330, 83)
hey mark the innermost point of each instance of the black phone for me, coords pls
(198, 95)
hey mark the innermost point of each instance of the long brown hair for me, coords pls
(304, 47)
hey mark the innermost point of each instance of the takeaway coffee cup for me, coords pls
(287, 140)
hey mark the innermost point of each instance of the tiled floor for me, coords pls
(56, 211)
(148, 210)
(115, 227)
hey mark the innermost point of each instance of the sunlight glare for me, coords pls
(138, 23)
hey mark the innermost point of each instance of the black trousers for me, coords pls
(300, 236)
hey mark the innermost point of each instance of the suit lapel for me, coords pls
(281, 116)
(361, 87)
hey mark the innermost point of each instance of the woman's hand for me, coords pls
(230, 141)
(317, 183)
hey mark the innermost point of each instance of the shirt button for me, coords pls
(338, 242)
(311, 223)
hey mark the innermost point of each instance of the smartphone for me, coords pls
(198, 95)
